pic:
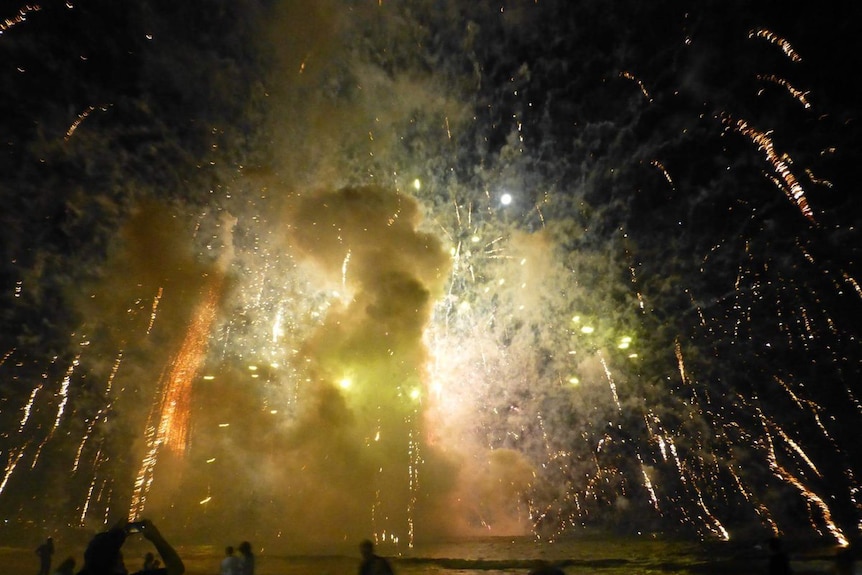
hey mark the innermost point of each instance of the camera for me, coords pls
(135, 527)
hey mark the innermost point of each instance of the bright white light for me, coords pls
(506, 199)
(588, 329)
(345, 383)
(417, 185)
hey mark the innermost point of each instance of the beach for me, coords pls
(605, 555)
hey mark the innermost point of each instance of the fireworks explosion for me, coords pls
(319, 271)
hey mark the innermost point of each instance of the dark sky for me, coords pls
(283, 223)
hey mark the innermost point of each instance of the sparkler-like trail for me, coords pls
(499, 270)
(171, 413)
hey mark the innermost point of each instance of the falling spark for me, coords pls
(344, 266)
(648, 484)
(852, 281)
(791, 186)
(630, 76)
(20, 17)
(61, 408)
(156, 301)
(28, 407)
(677, 349)
(778, 41)
(88, 498)
(92, 423)
(818, 181)
(664, 171)
(611, 383)
(11, 463)
(798, 94)
(718, 527)
(81, 117)
(173, 412)
(809, 495)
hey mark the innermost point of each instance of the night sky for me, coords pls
(431, 268)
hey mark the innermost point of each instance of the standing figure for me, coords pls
(373, 564)
(246, 559)
(230, 563)
(45, 551)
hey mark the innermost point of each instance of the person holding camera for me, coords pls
(104, 556)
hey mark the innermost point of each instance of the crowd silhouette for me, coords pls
(103, 556)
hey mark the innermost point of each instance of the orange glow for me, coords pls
(169, 419)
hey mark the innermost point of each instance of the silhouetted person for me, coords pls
(66, 567)
(230, 563)
(779, 562)
(372, 564)
(104, 556)
(246, 559)
(45, 551)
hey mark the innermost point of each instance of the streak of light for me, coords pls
(814, 499)
(760, 508)
(677, 349)
(780, 164)
(172, 409)
(718, 527)
(778, 41)
(11, 463)
(639, 294)
(815, 180)
(611, 383)
(648, 484)
(81, 117)
(174, 421)
(156, 300)
(414, 461)
(92, 487)
(664, 171)
(18, 18)
(344, 266)
(799, 95)
(632, 77)
(100, 413)
(64, 392)
(799, 451)
(806, 403)
(61, 407)
(28, 408)
(849, 279)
